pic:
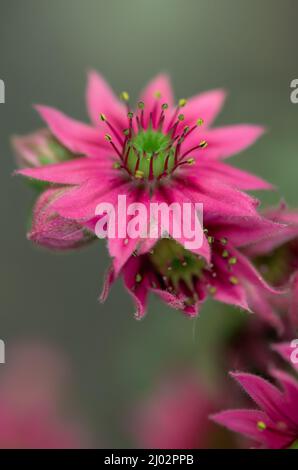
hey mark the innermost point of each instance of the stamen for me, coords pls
(138, 277)
(112, 128)
(182, 102)
(233, 260)
(202, 144)
(109, 139)
(141, 106)
(261, 425)
(130, 117)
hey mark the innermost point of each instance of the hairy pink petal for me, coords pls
(227, 141)
(76, 171)
(205, 106)
(78, 137)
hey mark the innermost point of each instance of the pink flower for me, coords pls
(158, 153)
(275, 424)
(30, 392)
(175, 416)
(184, 279)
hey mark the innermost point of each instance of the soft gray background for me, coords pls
(46, 47)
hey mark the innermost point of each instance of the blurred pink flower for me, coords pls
(276, 257)
(175, 416)
(31, 386)
(275, 424)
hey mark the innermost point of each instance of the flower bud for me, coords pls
(39, 148)
(52, 231)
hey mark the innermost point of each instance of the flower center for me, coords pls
(150, 148)
(177, 266)
(150, 151)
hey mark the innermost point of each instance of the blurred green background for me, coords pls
(46, 48)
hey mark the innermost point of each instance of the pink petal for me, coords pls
(137, 289)
(101, 99)
(80, 203)
(264, 394)
(206, 106)
(232, 176)
(170, 195)
(160, 84)
(246, 422)
(241, 231)
(177, 302)
(121, 249)
(226, 141)
(76, 136)
(218, 198)
(109, 279)
(225, 291)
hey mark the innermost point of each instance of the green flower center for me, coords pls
(151, 153)
(150, 147)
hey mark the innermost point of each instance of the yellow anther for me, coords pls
(138, 277)
(108, 138)
(139, 174)
(102, 117)
(190, 161)
(157, 94)
(124, 96)
(200, 121)
(225, 254)
(203, 144)
(261, 425)
(233, 260)
(182, 102)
